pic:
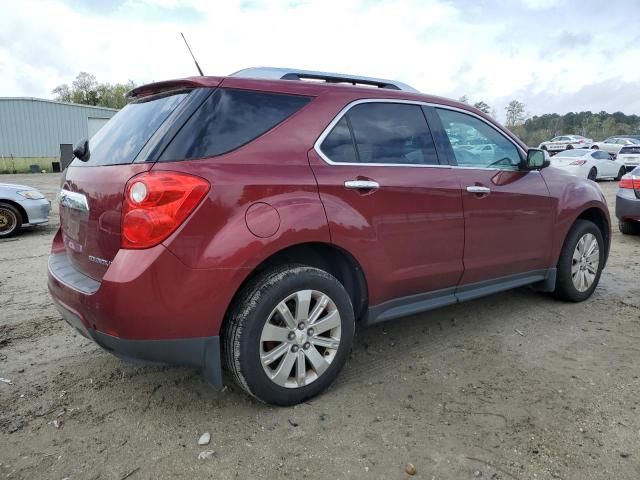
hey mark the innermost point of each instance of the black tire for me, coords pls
(593, 174)
(621, 172)
(565, 288)
(245, 322)
(569, 147)
(10, 220)
(628, 227)
(595, 147)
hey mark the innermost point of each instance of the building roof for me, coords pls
(46, 100)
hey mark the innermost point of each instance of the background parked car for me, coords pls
(614, 144)
(628, 203)
(630, 156)
(591, 164)
(21, 206)
(566, 142)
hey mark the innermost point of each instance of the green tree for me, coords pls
(515, 113)
(483, 107)
(464, 99)
(86, 90)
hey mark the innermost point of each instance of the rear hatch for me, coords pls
(91, 197)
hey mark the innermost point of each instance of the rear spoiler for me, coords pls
(168, 85)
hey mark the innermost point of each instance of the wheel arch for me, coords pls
(17, 206)
(328, 257)
(601, 220)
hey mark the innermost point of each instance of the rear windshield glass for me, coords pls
(229, 119)
(630, 150)
(122, 138)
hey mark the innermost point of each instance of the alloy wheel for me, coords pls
(585, 262)
(8, 222)
(300, 338)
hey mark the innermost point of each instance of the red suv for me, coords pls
(252, 221)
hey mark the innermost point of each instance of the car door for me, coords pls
(388, 199)
(508, 212)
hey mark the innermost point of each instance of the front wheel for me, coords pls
(10, 220)
(289, 335)
(621, 172)
(581, 262)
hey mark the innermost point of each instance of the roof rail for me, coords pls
(296, 74)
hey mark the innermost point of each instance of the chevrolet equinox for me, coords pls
(250, 222)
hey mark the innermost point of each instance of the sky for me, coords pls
(555, 56)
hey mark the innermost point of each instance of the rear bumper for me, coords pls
(203, 353)
(148, 306)
(627, 205)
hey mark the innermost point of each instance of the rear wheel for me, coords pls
(595, 147)
(581, 262)
(593, 174)
(569, 147)
(10, 220)
(289, 335)
(621, 172)
(629, 227)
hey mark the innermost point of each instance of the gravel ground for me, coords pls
(513, 386)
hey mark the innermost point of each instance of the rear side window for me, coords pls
(383, 133)
(122, 138)
(229, 119)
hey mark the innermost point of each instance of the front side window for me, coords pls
(229, 119)
(477, 144)
(383, 133)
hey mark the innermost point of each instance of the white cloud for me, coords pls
(539, 51)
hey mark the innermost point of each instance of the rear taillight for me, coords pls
(630, 181)
(580, 141)
(578, 162)
(156, 203)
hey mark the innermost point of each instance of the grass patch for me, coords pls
(23, 164)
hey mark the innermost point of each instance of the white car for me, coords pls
(566, 142)
(629, 155)
(591, 164)
(615, 144)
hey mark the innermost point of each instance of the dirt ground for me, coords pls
(513, 386)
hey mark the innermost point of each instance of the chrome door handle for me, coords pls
(478, 189)
(362, 184)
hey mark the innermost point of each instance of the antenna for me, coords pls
(194, 58)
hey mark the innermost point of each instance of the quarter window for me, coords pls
(229, 119)
(383, 133)
(477, 144)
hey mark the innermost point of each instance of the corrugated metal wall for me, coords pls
(30, 127)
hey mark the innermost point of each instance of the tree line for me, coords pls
(533, 130)
(86, 90)
(536, 129)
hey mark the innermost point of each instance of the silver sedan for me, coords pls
(21, 206)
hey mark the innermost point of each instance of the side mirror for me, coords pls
(536, 160)
(81, 150)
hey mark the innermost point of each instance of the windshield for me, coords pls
(122, 138)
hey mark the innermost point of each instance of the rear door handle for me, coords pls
(361, 184)
(478, 189)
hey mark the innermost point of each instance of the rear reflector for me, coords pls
(630, 181)
(156, 203)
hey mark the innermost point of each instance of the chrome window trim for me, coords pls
(342, 113)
